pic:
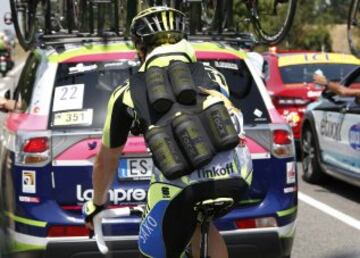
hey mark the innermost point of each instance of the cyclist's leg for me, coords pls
(163, 232)
(216, 245)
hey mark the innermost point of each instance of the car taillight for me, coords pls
(67, 231)
(282, 143)
(38, 144)
(281, 137)
(34, 150)
(256, 223)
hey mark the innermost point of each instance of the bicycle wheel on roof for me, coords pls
(271, 19)
(24, 17)
(353, 27)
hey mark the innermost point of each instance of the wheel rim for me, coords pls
(354, 28)
(278, 16)
(308, 151)
(208, 11)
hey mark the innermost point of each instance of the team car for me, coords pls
(330, 136)
(51, 140)
(288, 76)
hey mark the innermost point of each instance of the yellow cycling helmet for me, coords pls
(158, 25)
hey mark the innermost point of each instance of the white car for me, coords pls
(330, 136)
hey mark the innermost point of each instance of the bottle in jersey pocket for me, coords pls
(192, 137)
(158, 89)
(182, 82)
(221, 127)
(166, 154)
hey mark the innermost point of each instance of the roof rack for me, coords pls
(236, 40)
(42, 23)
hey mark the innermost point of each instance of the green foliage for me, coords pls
(311, 23)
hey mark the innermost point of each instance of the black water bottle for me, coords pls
(220, 127)
(193, 140)
(182, 82)
(166, 154)
(158, 89)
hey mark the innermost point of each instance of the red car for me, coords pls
(288, 77)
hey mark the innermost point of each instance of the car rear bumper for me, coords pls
(264, 244)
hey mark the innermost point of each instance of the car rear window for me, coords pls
(82, 91)
(303, 73)
(244, 92)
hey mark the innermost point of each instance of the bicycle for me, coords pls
(353, 28)
(207, 210)
(271, 19)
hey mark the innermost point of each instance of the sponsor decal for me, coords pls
(165, 192)
(81, 68)
(226, 65)
(354, 137)
(258, 113)
(330, 129)
(28, 181)
(290, 173)
(29, 199)
(151, 231)
(317, 57)
(147, 227)
(216, 171)
(290, 189)
(92, 145)
(116, 196)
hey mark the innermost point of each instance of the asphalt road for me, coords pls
(328, 224)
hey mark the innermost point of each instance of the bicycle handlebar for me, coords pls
(111, 213)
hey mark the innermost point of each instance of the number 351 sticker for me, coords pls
(68, 97)
(68, 118)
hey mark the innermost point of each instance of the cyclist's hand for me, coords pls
(89, 210)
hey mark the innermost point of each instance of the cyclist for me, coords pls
(336, 87)
(169, 223)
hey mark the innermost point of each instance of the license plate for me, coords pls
(68, 118)
(135, 168)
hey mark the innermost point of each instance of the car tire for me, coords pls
(312, 171)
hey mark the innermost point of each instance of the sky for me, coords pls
(4, 7)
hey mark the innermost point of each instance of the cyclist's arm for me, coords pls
(105, 167)
(116, 129)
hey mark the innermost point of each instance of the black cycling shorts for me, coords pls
(170, 220)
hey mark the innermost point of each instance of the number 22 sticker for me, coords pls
(68, 97)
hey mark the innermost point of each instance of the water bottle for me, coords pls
(158, 89)
(166, 154)
(182, 82)
(192, 137)
(221, 128)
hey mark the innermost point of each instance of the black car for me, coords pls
(330, 137)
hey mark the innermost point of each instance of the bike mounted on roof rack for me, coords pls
(39, 20)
